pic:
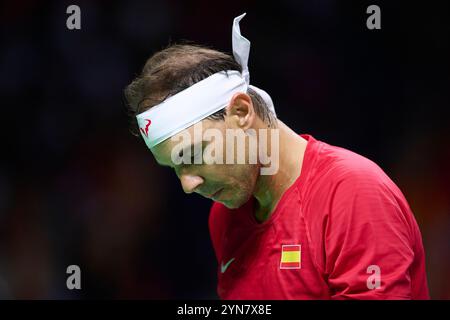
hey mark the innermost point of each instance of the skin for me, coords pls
(236, 183)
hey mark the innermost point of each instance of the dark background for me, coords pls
(77, 188)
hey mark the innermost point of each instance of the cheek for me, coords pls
(244, 176)
(215, 174)
(239, 178)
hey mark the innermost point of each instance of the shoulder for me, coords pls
(339, 169)
(351, 190)
(361, 199)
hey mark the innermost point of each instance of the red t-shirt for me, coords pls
(343, 230)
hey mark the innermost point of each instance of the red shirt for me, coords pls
(343, 230)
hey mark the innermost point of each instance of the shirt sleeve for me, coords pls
(368, 243)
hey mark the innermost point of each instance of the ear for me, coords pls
(241, 111)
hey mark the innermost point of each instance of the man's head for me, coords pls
(177, 68)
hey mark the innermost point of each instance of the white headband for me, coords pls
(200, 100)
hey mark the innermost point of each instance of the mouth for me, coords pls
(215, 195)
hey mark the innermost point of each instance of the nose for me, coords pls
(190, 182)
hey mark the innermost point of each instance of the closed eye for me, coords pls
(193, 149)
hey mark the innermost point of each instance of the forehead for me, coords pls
(162, 152)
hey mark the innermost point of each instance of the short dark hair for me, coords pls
(176, 68)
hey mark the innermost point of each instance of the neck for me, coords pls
(270, 188)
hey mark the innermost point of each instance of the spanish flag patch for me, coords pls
(291, 256)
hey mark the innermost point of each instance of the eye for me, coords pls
(181, 153)
(193, 155)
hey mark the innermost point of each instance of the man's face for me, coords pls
(230, 184)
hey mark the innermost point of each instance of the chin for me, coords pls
(235, 203)
(230, 205)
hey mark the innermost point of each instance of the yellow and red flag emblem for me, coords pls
(291, 256)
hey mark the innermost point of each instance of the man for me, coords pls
(326, 223)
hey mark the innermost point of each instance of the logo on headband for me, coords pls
(145, 130)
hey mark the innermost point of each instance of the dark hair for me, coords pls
(176, 68)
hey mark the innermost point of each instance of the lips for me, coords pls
(214, 195)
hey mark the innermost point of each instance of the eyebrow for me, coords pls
(163, 165)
